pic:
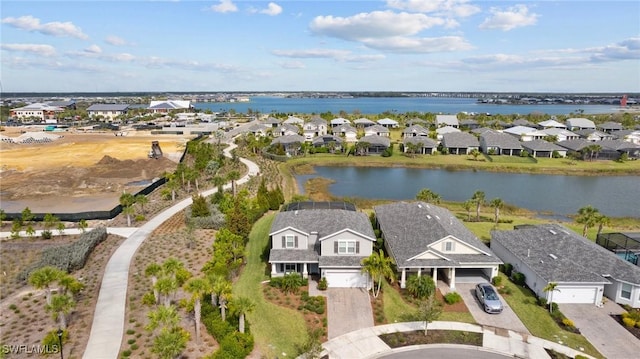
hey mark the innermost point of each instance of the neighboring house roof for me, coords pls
(345, 128)
(591, 132)
(523, 122)
(559, 132)
(447, 120)
(288, 139)
(446, 129)
(324, 221)
(459, 140)
(375, 140)
(363, 121)
(410, 228)
(622, 134)
(575, 145)
(376, 128)
(422, 141)
(256, 127)
(520, 130)
(610, 126)
(481, 130)
(108, 107)
(340, 121)
(416, 130)
(558, 254)
(61, 103)
(317, 120)
(580, 122)
(551, 124)
(294, 206)
(272, 121)
(171, 104)
(293, 120)
(38, 107)
(287, 127)
(388, 122)
(500, 140)
(469, 122)
(541, 145)
(618, 145)
(322, 140)
(417, 121)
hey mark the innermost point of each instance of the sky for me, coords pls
(306, 45)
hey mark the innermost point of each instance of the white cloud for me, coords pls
(93, 49)
(224, 6)
(292, 65)
(513, 17)
(337, 55)
(272, 9)
(38, 49)
(115, 40)
(423, 45)
(55, 28)
(455, 8)
(625, 50)
(377, 24)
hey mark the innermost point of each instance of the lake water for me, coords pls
(377, 105)
(615, 196)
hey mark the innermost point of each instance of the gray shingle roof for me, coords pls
(323, 221)
(377, 128)
(417, 129)
(341, 261)
(288, 139)
(293, 255)
(363, 120)
(272, 120)
(108, 107)
(541, 145)
(449, 120)
(459, 140)
(376, 140)
(580, 122)
(424, 141)
(500, 140)
(610, 126)
(410, 227)
(578, 259)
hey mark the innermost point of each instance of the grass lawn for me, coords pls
(539, 322)
(276, 330)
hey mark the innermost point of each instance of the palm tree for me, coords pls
(142, 200)
(550, 288)
(233, 176)
(428, 196)
(163, 317)
(172, 184)
(602, 221)
(126, 201)
(475, 154)
(171, 266)
(497, 204)
(69, 284)
(478, 199)
(224, 294)
(468, 205)
(165, 287)
(215, 282)
(242, 306)
(588, 216)
(61, 305)
(378, 267)
(153, 270)
(43, 278)
(170, 343)
(197, 287)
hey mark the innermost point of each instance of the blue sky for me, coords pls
(306, 45)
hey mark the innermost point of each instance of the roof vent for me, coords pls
(553, 256)
(552, 231)
(428, 216)
(295, 212)
(419, 205)
(438, 218)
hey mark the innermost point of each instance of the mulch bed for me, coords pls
(401, 339)
(635, 330)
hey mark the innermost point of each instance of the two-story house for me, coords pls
(322, 238)
(376, 130)
(107, 111)
(348, 132)
(314, 128)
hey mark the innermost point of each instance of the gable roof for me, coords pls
(410, 228)
(447, 129)
(293, 120)
(541, 145)
(108, 107)
(38, 107)
(577, 259)
(610, 126)
(459, 140)
(388, 121)
(272, 120)
(499, 139)
(520, 130)
(363, 121)
(376, 128)
(580, 122)
(340, 121)
(287, 127)
(448, 120)
(288, 139)
(324, 221)
(345, 128)
(421, 131)
(551, 124)
(523, 122)
(171, 104)
(376, 140)
(422, 141)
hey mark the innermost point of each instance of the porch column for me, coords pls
(494, 272)
(305, 273)
(419, 272)
(403, 278)
(274, 271)
(435, 276)
(452, 278)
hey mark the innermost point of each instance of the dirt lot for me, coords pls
(80, 171)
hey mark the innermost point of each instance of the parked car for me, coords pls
(488, 297)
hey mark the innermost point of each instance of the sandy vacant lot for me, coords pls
(80, 171)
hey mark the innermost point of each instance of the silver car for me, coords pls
(488, 297)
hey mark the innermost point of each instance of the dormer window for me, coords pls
(347, 247)
(290, 242)
(449, 246)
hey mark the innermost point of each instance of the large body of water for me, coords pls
(377, 105)
(615, 196)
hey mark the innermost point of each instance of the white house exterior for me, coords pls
(388, 123)
(579, 123)
(168, 105)
(551, 124)
(329, 242)
(314, 128)
(107, 111)
(561, 134)
(348, 132)
(376, 130)
(525, 133)
(447, 120)
(36, 111)
(584, 271)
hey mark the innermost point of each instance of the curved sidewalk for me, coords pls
(365, 343)
(107, 329)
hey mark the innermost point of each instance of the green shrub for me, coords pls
(52, 342)
(506, 268)
(126, 353)
(421, 286)
(46, 234)
(199, 207)
(322, 284)
(496, 281)
(542, 301)
(149, 299)
(505, 290)
(452, 298)
(139, 218)
(518, 278)
(568, 323)
(629, 322)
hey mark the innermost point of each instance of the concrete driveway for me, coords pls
(348, 309)
(507, 319)
(596, 324)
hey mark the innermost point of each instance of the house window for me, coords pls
(626, 291)
(290, 242)
(290, 268)
(449, 246)
(346, 247)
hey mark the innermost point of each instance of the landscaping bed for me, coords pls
(635, 330)
(417, 337)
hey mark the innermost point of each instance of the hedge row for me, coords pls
(68, 257)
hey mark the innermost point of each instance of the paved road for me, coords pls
(445, 353)
(348, 309)
(507, 319)
(606, 335)
(108, 320)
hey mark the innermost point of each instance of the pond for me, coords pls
(561, 195)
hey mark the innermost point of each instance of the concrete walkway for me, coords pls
(108, 320)
(365, 343)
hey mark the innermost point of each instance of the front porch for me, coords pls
(449, 275)
(304, 269)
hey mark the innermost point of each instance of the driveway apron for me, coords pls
(601, 330)
(507, 319)
(348, 309)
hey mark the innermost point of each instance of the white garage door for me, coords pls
(575, 295)
(346, 279)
